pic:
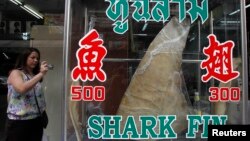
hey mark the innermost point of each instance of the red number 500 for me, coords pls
(87, 93)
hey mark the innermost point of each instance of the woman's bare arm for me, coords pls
(20, 86)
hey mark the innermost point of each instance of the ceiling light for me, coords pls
(234, 12)
(230, 22)
(144, 27)
(248, 6)
(30, 12)
(238, 10)
(27, 8)
(6, 56)
(140, 34)
(17, 1)
(14, 2)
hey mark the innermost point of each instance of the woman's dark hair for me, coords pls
(22, 60)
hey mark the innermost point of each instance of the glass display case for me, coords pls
(143, 78)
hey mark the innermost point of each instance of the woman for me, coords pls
(24, 82)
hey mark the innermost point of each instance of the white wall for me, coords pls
(48, 40)
(53, 91)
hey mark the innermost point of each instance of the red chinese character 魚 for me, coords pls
(89, 57)
(219, 61)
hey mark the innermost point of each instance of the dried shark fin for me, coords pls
(155, 88)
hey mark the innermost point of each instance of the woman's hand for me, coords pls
(44, 67)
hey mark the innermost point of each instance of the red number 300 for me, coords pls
(224, 94)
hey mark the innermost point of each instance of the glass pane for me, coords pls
(125, 60)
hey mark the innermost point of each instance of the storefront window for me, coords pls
(160, 61)
(138, 69)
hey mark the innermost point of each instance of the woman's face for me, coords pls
(33, 60)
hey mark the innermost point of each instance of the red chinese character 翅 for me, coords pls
(219, 61)
(90, 56)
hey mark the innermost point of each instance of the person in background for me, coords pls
(24, 92)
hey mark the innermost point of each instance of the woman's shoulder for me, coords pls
(16, 72)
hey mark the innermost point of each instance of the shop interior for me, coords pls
(33, 23)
